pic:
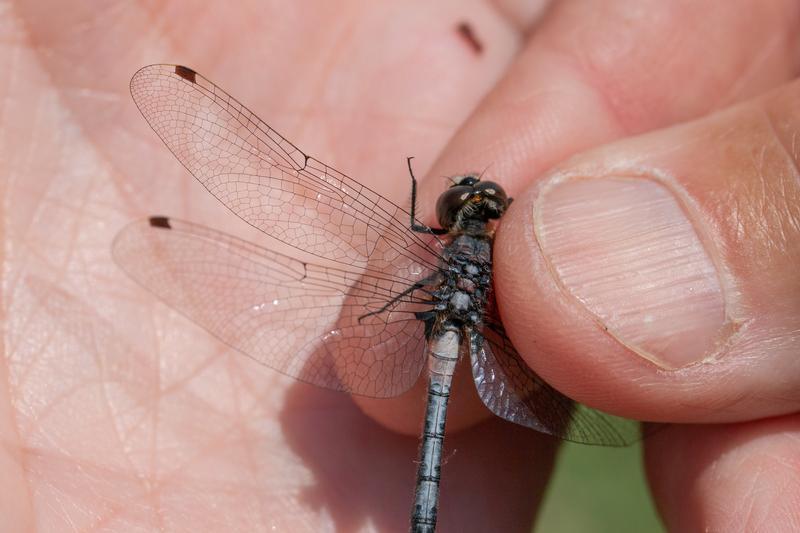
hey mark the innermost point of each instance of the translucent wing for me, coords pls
(304, 320)
(270, 183)
(511, 390)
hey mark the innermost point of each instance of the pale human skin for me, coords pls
(117, 414)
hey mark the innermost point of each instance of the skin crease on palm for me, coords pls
(117, 414)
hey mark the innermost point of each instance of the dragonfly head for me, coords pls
(469, 198)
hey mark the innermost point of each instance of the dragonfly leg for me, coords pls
(430, 280)
(416, 226)
(429, 319)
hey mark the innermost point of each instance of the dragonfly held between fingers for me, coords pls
(371, 297)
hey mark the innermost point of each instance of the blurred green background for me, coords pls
(597, 489)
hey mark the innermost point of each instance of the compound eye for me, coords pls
(492, 190)
(450, 203)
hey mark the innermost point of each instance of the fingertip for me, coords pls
(718, 477)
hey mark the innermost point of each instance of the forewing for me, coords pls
(270, 183)
(298, 318)
(511, 390)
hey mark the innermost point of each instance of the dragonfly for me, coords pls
(366, 297)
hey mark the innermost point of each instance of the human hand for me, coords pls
(130, 417)
(118, 414)
(684, 251)
(657, 277)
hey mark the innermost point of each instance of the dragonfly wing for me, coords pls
(511, 390)
(298, 318)
(270, 183)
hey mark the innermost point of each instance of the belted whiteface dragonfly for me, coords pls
(382, 297)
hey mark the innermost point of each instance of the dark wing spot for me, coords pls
(466, 32)
(160, 222)
(185, 73)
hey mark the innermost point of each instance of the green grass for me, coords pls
(596, 489)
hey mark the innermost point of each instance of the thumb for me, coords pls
(658, 277)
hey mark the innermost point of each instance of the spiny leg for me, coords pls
(416, 226)
(430, 280)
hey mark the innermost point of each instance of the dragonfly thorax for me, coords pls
(465, 282)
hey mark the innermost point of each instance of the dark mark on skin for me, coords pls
(466, 32)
